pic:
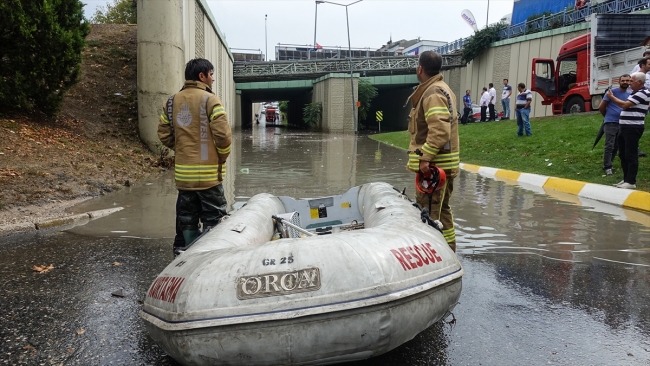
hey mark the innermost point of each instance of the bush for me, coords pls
(367, 92)
(547, 15)
(40, 56)
(121, 12)
(480, 41)
(311, 114)
(284, 110)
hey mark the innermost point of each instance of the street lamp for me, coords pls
(266, 45)
(316, 20)
(354, 110)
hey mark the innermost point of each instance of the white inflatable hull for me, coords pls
(237, 298)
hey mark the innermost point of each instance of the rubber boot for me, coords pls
(190, 235)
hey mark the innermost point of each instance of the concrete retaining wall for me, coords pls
(170, 33)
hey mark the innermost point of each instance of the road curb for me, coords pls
(627, 198)
(68, 220)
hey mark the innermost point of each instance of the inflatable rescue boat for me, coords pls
(305, 281)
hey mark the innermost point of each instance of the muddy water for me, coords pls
(549, 279)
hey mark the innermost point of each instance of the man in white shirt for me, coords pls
(636, 68)
(493, 99)
(485, 99)
(505, 99)
(644, 66)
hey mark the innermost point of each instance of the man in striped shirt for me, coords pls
(631, 126)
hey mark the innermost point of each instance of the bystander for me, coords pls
(522, 110)
(631, 126)
(485, 99)
(612, 114)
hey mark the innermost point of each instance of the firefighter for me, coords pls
(194, 123)
(433, 126)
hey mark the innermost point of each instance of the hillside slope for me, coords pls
(90, 148)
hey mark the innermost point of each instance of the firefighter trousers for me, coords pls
(206, 206)
(440, 209)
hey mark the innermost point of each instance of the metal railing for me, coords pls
(574, 16)
(557, 20)
(278, 70)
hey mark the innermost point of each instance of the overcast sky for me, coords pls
(372, 22)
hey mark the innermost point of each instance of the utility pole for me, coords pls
(266, 44)
(487, 15)
(315, 21)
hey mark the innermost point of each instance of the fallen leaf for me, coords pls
(43, 268)
(28, 347)
(81, 331)
(117, 263)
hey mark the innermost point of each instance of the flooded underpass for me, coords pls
(549, 279)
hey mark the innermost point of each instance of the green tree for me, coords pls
(121, 12)
(311, 114)
(284, 110)
(480, 41)
(40, 56)
(367, 92)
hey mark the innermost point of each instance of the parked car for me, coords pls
(475, 116)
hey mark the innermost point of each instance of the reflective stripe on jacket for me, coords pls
(433, 125)
(200, 136)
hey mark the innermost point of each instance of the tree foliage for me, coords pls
(480, 41)
(40, 52)
(120, 12)
(284, 109)
(311, 114)
(367, 92)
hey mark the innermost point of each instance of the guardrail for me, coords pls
(574, 16)
(277, 70)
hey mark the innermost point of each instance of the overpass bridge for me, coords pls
(313, 69)
(328, 82)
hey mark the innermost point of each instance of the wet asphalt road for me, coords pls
(547, 281)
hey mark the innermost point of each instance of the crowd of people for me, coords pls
(487, 102)
(624, 110)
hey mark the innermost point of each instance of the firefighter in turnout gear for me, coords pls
(433, 126)
(194, 124)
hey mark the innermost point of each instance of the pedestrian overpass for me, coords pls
(328, 82)
(302, 69)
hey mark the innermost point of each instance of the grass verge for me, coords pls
(560, 147)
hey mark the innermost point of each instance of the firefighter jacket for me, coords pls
(194, 123)
(433, 126)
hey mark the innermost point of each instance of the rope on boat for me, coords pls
(295, 227)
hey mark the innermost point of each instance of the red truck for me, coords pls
(587, 65)
(271, 115)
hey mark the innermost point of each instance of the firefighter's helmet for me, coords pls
(433, 180)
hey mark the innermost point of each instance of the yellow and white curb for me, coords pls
(626, 198)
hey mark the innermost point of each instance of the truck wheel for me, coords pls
(574, 105)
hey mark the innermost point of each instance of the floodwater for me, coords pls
(549, 279)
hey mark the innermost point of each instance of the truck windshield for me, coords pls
(567, 74)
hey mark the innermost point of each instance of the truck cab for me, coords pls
(564, 83)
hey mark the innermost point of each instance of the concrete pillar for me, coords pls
(333, 91)
(161, 63)
(238, 108)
